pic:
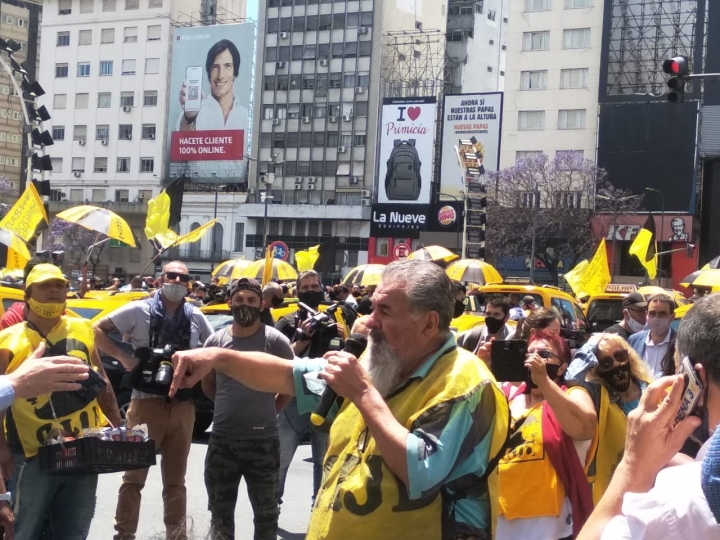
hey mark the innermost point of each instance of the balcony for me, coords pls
(197, 255)
(120, 208)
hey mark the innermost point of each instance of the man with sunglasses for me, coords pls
(164, 322)
(634, 315)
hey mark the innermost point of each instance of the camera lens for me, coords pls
(164, 373)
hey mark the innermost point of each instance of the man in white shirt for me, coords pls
(648, 498)
(656, 344)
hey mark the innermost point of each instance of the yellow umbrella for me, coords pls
(702, 278)
(100, 220)
(281, 270)
(364, 275)
(436, 254)
(474, 271)
(227, 270)
(14, 243)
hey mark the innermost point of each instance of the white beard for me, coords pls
(382, 364)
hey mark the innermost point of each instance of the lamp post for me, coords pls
(535, 206)
(269, 179)
(614, 233)
(457, 241)
(662, 223)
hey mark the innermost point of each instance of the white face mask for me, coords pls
(174, 292)
(634, 326)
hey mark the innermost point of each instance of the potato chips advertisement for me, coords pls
(470, 140)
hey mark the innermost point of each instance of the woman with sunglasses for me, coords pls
(543, 488)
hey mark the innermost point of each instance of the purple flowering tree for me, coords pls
(554, 197)
(75, 241)
(6, 191)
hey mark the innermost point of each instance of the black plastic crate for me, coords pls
(90, 455)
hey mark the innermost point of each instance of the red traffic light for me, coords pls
(676, 66)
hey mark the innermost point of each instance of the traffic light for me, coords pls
(678, 67)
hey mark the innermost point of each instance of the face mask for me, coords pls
(174, 292)
(658, 326)
(47, 310)
(311, 298)
(618, 378)
(459, 308)
(494, 325)
(276, 301)
(634, 326)
(245, 315)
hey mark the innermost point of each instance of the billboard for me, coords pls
(471, 135)
(395, 220)
(210, 99)
(406, 150)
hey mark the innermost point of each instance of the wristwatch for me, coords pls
(6, 497)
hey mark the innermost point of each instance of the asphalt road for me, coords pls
(294, 515)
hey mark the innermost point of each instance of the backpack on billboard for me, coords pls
(402, 181)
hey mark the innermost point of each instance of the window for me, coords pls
(100, 164)
(127, 99)
(528, 199)
(152, 66)
(85, 37)
(87, 6)
(567, 199)
(537, 5)
(145, 194)
(148, 131)
(58, 133)
(122, 195)
(239, 243)
(571, 119)
(78, 164)
(61, 70)
(104, 100)
(64, 7)
(107, 35)
(132, 4)
(59, 101)
(79, 133)
(570, 155)
(155, 3)
(381, 247)
(533, 80)
(349, 80)
(153, 32)
(578, 38)
(130, 34)
(63, 39)
(531, 120)
(108, 5)
(150, 98)
(56, 163)
(102, 132)
(527, 154)
(536, 41)
(361, 108)
(147, 164)
(123, 164)
(76, 195)
(106, 67)
(125, 132)
(577, 4)
(573, 78)
(83, 69)
(98, 195)
(336, 80)
(128, 67)
(360, 139)
(81, 101)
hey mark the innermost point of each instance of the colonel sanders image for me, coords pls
(679, 234)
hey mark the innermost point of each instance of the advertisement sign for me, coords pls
(210, 96)
(394, 220)
(446, 216)
(406, 148)
(470, 140)
(673, 228)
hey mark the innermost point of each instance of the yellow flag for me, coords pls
(597, 275)
(15, 260)
(158, 215)
(643, 247)
(574, 277)
(305, 260)
(170, 238)
(27, 216)
(268, 270)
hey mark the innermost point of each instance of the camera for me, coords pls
(319, 320)
(164, 373)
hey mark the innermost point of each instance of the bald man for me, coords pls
(272, 298)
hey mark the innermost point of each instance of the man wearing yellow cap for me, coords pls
(68, 501)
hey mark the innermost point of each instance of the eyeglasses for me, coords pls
(607, 362)
(172, 276)
(544, 353)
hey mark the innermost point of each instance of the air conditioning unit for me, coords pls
(82, 142)
(279, 65)
(333, 119)
(298, 186)
(324, 62)
(311, 187)
(354, 179)
(127, 108)
(312, 180)
(365, 202)
(365, 193)
(347, 117)
(262, 179)
(298, 179)
(151, 137)
(342, 149)
(251, 191)
(276, 122)
(306, 119)
(359, 89)
(128, 137)
(104, 142)
(76, 174)
(284, 35)
(363, 30)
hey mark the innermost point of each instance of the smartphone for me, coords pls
(193, 88)
(693, 390)
(507, 360)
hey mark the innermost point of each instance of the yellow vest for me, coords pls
(33, 418)
(360, 496)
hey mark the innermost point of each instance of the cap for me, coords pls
(246, 284)
(44, 272)
(634, 299)
(528, 299)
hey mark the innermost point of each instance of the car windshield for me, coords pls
(605, 311)
(218, 321)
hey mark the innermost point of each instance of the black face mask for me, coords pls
(277, 301)
(552, 372)
(245, 315)
(311, 298)
(618, 378)
(459, 308)
(494, 325)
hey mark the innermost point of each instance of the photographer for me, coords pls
(306, 342)
(157, 327)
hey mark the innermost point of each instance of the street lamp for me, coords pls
(457, 241)
(621, 199)
(265, 195)
(662, 224)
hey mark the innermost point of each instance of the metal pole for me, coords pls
(214, 237)
(535, 202)
(265, 224)
(612, 270)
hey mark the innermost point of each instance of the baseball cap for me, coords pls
(528, 299)
(246, 284)
(44, 272)
(634, 299)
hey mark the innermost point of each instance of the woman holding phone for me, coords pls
(544, 492)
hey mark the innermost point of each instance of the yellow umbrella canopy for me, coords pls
(229, 270)
(436, 254)
(474, 271)
(702, 278)
(364, 275)
(100, 220)
(14, 243)
(281, 270)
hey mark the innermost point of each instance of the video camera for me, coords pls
(158, 369)
(319, 320)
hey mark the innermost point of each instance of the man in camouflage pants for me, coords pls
(245, 441)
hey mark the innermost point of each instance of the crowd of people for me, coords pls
(423, 440)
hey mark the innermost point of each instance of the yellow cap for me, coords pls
(44, 272)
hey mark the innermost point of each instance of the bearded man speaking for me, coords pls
(414, 446)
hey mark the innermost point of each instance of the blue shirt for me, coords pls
(7, 394)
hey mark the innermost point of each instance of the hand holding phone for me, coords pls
(191, 91)
(508, 360)
(693, 391)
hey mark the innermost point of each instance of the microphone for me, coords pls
(355, 345)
